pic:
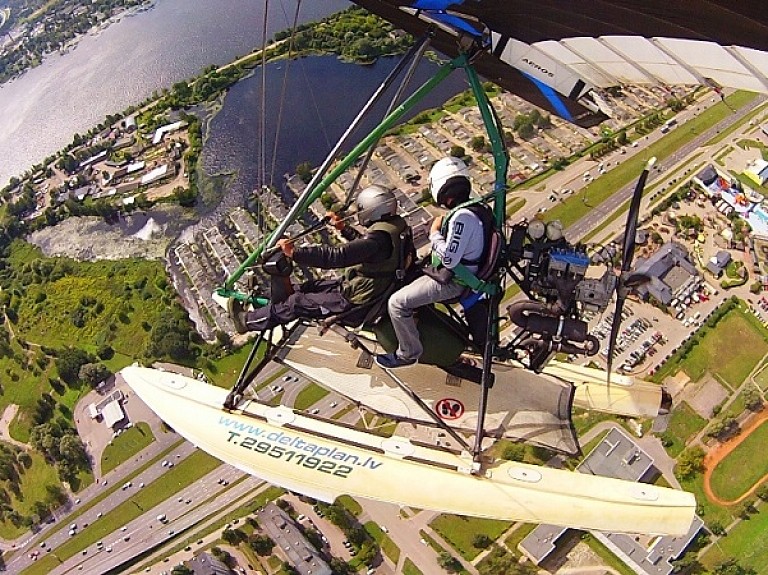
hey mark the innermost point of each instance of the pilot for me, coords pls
(460, 239)
(373, 261)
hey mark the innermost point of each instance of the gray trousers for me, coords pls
(420, 292)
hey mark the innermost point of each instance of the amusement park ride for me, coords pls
(470, 385)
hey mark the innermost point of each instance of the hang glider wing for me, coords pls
(325, 459)
(557, 55)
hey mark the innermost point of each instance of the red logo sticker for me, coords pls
(449, 408)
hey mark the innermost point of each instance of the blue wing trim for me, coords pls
(552, 96)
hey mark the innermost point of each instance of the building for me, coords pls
(207, 564)
(167, 129)
(718, 263)
(109, 409)
(617, 455)
(159, 173)
(672, 274)
(757, 171)
(286, 534)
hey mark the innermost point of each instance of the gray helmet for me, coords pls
(374, 203)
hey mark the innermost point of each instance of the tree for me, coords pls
(182, 569)
(753, 400)
(261, 544)
(72, 449)
(690, 462)
(341, 567)
(233, 536)
(304, 171)
(746, 509)
(688, 563)
(481, 541)
(477, 143)
(69, 362)
(731, 567)
(514, 452)
(94, 373)
(457, 151)
(526, 131)
(449, 562)
(716, 528)
(187, 197)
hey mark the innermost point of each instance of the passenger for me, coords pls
(373, 261)
(459, 240)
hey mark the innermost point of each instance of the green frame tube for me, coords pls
(497, 146)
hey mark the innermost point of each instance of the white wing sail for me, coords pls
(324, 459)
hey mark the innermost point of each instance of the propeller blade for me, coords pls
(626, 281)
(633, 216)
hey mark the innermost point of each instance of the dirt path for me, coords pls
(716, 455)
(5, 420)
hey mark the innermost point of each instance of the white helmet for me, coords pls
(448, 178)
(375, 203)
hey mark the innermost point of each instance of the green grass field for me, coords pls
(742, 468)
(705, 508)
(32, 484)
(125, 446)
(459, 531)
(747, 542)
(388, 547)
(761, 378)
(521, 532)
(683, 425)
(717, 354)
(310, 395)
(410, 569)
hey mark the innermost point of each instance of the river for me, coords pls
(322, 96)
(125, 63)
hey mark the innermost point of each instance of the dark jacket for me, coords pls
(371, 259)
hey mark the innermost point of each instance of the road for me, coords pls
(595, 217)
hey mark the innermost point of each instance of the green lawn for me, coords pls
(747, 117)
(310, 395)
(742, 468)
(125, 446)
(32, 484)
(717, 353)
(683, 425)
(459, 531)
(520, 533)
(223, 372)
(584, 420)
(747, 541)
(388, 547)
(705, 508)
(350, 505)
(762, 379)
(410, 569)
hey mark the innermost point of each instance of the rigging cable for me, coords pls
(262, 125)
(281, 106)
